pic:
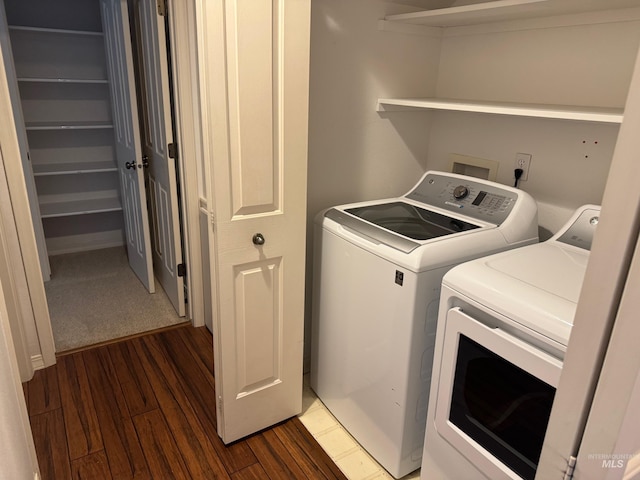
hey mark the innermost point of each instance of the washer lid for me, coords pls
(397, 224)
(410, 220)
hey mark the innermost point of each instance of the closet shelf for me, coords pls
(588, 114)
(46, 169)
(63, 80)
(503, 10)
(56, 31)
(68, 125)
(79, 207)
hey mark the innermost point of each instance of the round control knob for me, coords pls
(460, 192)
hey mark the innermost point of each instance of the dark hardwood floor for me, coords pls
(144, 408)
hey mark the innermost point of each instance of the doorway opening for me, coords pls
(99, 217)
(95, 297)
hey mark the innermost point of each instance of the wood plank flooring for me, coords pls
(144, 408)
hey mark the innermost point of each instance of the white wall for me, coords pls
(542, 61)
(558, 61)
(354, 152)
(565, 172)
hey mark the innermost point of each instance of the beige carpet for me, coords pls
(94, 297)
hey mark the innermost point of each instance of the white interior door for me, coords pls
(255, 74)
(115, 20)
(158, 134)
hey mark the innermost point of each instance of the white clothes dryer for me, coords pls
(503, 328)
(377, 272)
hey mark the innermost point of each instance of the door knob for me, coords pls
(258, 239)
(130, 165)
(145, 161)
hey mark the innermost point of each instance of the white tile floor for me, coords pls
(347, 454)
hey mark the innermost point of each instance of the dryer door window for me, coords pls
(502, 407)
(495, 393)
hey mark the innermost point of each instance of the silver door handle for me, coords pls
(258, 239)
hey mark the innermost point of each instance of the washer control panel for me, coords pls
(486, 201)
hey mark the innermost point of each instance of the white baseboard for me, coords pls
(37, 362)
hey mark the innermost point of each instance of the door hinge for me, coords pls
(162, 7)
(172, 148)
(182, 270)
(571, 467)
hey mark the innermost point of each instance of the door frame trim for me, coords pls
(188, 136)
(27, 249)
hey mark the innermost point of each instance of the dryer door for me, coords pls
(494, 397)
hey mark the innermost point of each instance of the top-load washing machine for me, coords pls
(377, 272)
(503, 328)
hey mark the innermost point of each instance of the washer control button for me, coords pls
(460, 192)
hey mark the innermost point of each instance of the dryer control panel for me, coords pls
(580, 228)
(480, 199)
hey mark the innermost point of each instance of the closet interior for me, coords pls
(59, 58)
(65, 97)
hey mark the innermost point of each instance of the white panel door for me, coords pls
(115, 21)
(256, 59)
(158, 134)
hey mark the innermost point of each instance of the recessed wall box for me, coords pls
(473, 166)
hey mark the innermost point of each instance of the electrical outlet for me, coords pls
(523, 161)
